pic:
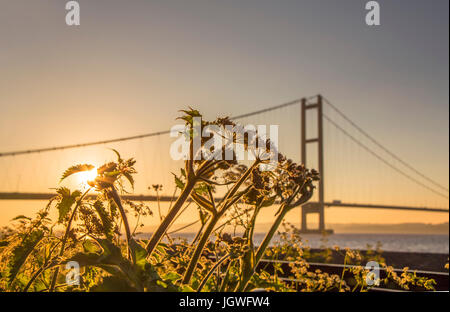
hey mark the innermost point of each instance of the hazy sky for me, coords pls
(131, 65)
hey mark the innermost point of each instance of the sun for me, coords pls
(85, 176)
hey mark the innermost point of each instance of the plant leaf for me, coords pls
(178, 182)
(107, 167)
(171, 276)
(90, 247)
(268, 202)
(21, 252)
(76, 169)
(107, 221)
(139, 253)
(67, 199)
(113, 284)
(20, 217)
(119, 159)
(130, 179)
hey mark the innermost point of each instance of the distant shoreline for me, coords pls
(351, 228)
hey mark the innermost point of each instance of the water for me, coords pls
(389, 242)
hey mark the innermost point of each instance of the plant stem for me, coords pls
(196, 238)
(225, 204)
(159, 205)
(238, 184)
(38, 272)
(126, 225)
(183, 227)
(65, 237)
(227, 276)
(265, 243)
(343, 272)
(161, 230)
(199, 248)
(262, 248)
(44, 267)
(203, 283)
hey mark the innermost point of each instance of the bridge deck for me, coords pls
(47, 196)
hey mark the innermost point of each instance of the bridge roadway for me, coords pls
(334, 204)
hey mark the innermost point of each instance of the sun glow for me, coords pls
(85, 176)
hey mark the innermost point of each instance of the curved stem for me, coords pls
(183, 227)
(199, 248)
(38, 272)
(241, 180)
(227, 276)
(123, 215)
(159, 205)
(161, 230)
(64, 241)
(203, 283)
(224, 205)
(197, 237)
(343, 272)
(262, 248)
(265, 243)
(137, 224)
(41, 269)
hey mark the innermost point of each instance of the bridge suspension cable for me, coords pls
(381, 158)
(374, 141)
(135, 137)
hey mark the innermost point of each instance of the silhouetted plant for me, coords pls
(227, 193)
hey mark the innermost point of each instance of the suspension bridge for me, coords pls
(357, 170)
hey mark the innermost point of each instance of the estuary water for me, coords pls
(389, 242)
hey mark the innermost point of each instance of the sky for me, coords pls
(131, 65)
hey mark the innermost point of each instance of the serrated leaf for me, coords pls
(107, 221)
(269, 202)
(129, 177)
(111, 260)
(178, 182)
(171, 276)
(111, 251)
(131, 162)
(66, 200)
(140, 254)
(107, 167)
(76, 169)
(21, 252)
(111, 255)
(20, 217)
(84, 259)
(191, 112)
(119, 159)
(90, 247)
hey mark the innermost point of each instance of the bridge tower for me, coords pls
(317, 207)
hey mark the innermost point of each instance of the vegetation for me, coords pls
(99, 238)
